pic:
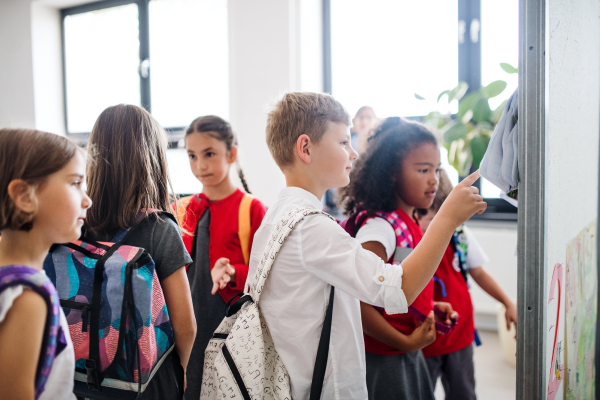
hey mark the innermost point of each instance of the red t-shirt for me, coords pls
(404, 323)
(457, 294)
(224, 238)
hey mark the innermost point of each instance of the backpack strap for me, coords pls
(244, 228)
(282, 230)
(180, 206)
(400, 229)
(124, 233)
(53, 341)
(459, 245)
(316, 387)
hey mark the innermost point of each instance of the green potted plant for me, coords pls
(467, 133)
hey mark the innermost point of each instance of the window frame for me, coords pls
(469, 71)
(175, 133)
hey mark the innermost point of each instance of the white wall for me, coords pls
(573, 73)
(30, 66)
(499, 241)
(17, 107)
(47, 68)
(269, 55)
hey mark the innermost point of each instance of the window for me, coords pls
(169, 56)
(499, 44)
(381, 53)
(101, 53)
(190, 66)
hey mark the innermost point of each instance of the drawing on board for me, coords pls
(581, 292)
(557, 364)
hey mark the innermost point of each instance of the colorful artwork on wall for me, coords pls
(581, 293)
(556, 375)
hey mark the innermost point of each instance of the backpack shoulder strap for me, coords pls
(151, 213)
(180, 206)
(400, 229)
(459, 245)
(244, 228)
(316, 387)
(281, 231)
(39, 283)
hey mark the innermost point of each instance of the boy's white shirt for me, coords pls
(317, 254)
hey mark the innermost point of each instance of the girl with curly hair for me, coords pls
(398, 174)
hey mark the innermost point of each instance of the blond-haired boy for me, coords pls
(309, 138)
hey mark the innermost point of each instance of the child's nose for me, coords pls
(87, 201)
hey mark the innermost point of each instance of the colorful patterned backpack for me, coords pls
(116, 311)
(54, 341)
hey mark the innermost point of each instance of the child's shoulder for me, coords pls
(160, 224)
(22, 302)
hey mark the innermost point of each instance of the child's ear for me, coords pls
(23, 195)
(233, 153)
(303, 148)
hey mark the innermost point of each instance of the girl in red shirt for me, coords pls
(450, 357)
(396, 175)
(218, 227)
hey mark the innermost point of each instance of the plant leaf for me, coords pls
(494, 88)
(419, 97)
(509, 68)
(458, 92)
(498, 112)
(467, 117)
(467, 103)
(481, 110)
(442, 94)
(479, 144)
(452, 154)
(463, 158)
(454, 132)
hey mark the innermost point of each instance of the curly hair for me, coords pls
(373, 179)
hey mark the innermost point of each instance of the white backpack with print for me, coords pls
(241, 361)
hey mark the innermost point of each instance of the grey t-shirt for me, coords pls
(162, 240)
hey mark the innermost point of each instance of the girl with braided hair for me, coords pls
(218, 227)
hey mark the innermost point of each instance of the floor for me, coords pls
(494, 378)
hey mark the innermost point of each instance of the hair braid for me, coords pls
(243, 179)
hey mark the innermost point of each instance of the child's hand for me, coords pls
(463, 202)
(424, 335)
(510, 315)
(222, 273)
(445, 308)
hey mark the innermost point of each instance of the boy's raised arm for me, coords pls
(420, 265)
